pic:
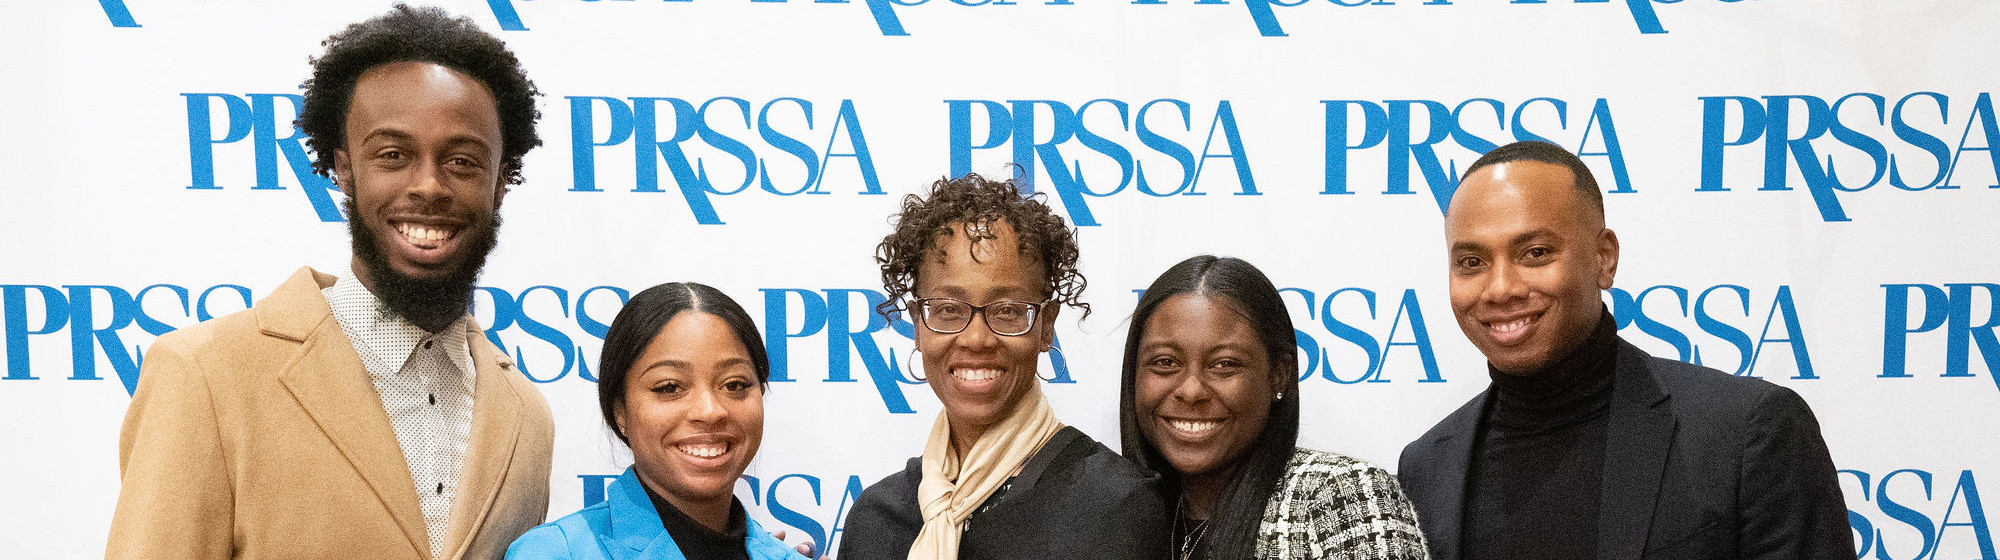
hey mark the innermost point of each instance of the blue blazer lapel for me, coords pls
(1637, 441)
(636, 532)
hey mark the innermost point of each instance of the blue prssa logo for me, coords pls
(1850, 144)
(1725, 312)
(796, 500)
(95, 318)
(1412, 132)
(737, 128)
(1906, 514)
(1341, 325)
(252, 122)
(1948, 310)
(1174, 139)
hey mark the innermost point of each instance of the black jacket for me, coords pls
(1073, 499)
(1697, 464)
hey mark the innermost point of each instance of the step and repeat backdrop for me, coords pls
(1806, 191)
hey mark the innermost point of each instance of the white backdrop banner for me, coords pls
(1806, 191)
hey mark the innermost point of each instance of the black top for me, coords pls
(1538, 460)
(1074, 499)
(698, 541)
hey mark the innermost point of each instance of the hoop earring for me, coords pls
(909, 359)
(1057, 353)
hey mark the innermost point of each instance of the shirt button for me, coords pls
(440, 488)
(434, 399)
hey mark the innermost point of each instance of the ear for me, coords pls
(1048, 319)
(618, 417)
(1607, 258)
(1284, 371)
(343, 172)
(499, 190)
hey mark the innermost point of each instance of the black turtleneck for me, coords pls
(1538, 462)
(699, 541)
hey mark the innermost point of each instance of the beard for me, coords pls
(424, 301)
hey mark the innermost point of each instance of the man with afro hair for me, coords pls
(360, 414)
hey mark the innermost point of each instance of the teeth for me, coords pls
(975, 374)
(704, 450)
(1194, 427)
(1512, 326)
(423, 235)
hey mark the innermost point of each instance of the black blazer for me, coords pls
(1697, 464)
(1073, 499)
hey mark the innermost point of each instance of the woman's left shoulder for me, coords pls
(1095, 464)
(1328, 474)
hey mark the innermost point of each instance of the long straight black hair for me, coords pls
(1232, 529)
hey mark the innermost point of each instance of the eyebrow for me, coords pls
(402, 136)
(680, 364)
(1524, 237)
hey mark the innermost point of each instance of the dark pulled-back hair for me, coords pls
(1232, 531)
(641, 320)
(407, 34)
(969, 201)
(1536, 150)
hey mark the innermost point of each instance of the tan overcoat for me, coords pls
(260, 435)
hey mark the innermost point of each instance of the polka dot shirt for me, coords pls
(425, 381)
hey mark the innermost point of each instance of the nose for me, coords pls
(977, 333)
(1191, 388)
(431, 186)
(1504, 284)
(707, 407)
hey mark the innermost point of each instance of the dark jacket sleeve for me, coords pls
(1790, 503)
(885, 519)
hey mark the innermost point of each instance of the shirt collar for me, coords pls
(386, 340)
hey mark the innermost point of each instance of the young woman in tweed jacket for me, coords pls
(1210, 401)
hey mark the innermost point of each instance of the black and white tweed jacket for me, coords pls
(1334, 506)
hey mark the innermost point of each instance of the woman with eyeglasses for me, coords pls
(1211, 401)
(983, 271)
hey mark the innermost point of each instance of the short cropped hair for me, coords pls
(972, 200)
(407, 34)
(642, 318)
(1536, 150)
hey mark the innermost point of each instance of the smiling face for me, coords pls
(422, 168)
(979, 376)
(1204, 385)
(693, 412)
(1528, 260)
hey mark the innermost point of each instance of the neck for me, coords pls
(1202, 490)
(963, 435)
(367, 278)
(713, 514)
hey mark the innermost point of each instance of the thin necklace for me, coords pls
(1193, 539)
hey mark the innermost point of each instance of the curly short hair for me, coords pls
(973, 200)
(407, 34)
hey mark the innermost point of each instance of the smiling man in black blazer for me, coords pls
(1584, 447)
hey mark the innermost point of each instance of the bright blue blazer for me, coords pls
(625, 527)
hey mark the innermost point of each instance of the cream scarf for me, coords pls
(952, 489)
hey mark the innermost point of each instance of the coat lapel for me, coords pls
(496, 425)
(1453, 456)
(636, 531)
(330, 383)
(1637, 441)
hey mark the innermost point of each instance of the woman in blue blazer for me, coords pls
(682, 382)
